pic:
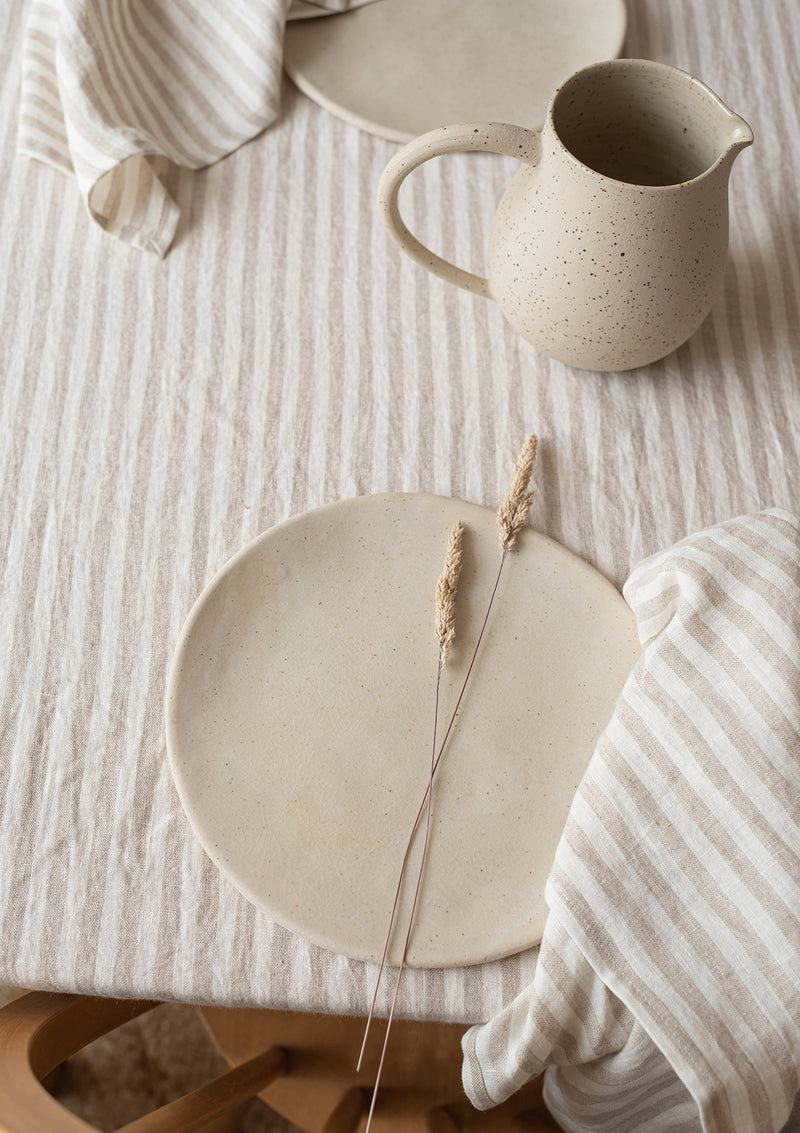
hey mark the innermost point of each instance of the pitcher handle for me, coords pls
(491, 137)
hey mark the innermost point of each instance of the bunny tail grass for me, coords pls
(444, 624)
(513, 511)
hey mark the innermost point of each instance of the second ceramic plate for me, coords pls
(300, 715)
(400, 67)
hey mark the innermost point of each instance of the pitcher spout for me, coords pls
(739, 134)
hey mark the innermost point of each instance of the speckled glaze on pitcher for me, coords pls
(610, 243)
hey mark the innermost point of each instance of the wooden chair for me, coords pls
(302, 1066)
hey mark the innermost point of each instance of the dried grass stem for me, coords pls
(511, 517)
(445, 628)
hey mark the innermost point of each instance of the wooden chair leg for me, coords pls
(438, 1120)
(41, 1030)
(347, 1113)
(301, 1065)
(421, 1089)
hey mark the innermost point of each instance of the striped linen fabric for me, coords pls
(109, 87)
(157, 414)
(667, 994)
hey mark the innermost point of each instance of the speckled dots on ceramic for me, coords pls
(609, 244)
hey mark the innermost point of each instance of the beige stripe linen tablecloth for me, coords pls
(156, 414)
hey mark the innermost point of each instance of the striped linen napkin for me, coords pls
(109, 87)
(667, 990)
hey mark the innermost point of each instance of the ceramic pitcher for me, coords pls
(610, 242)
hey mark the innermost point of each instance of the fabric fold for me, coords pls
(671, 954)
(110, 85)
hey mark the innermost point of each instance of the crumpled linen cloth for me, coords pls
(667, 991)
(109, 87)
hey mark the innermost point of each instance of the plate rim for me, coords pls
(390, 133)
(286, 920)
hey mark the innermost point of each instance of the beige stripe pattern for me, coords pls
(109, 88)
(155, 415)
(671, 954)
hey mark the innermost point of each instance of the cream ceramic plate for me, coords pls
(400, 67)
(300, 713)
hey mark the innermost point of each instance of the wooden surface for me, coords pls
(41, 1030)
(322, 1093)
(301, 1065)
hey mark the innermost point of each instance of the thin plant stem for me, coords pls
(427, 798)
(511, 518)
(434, 761)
